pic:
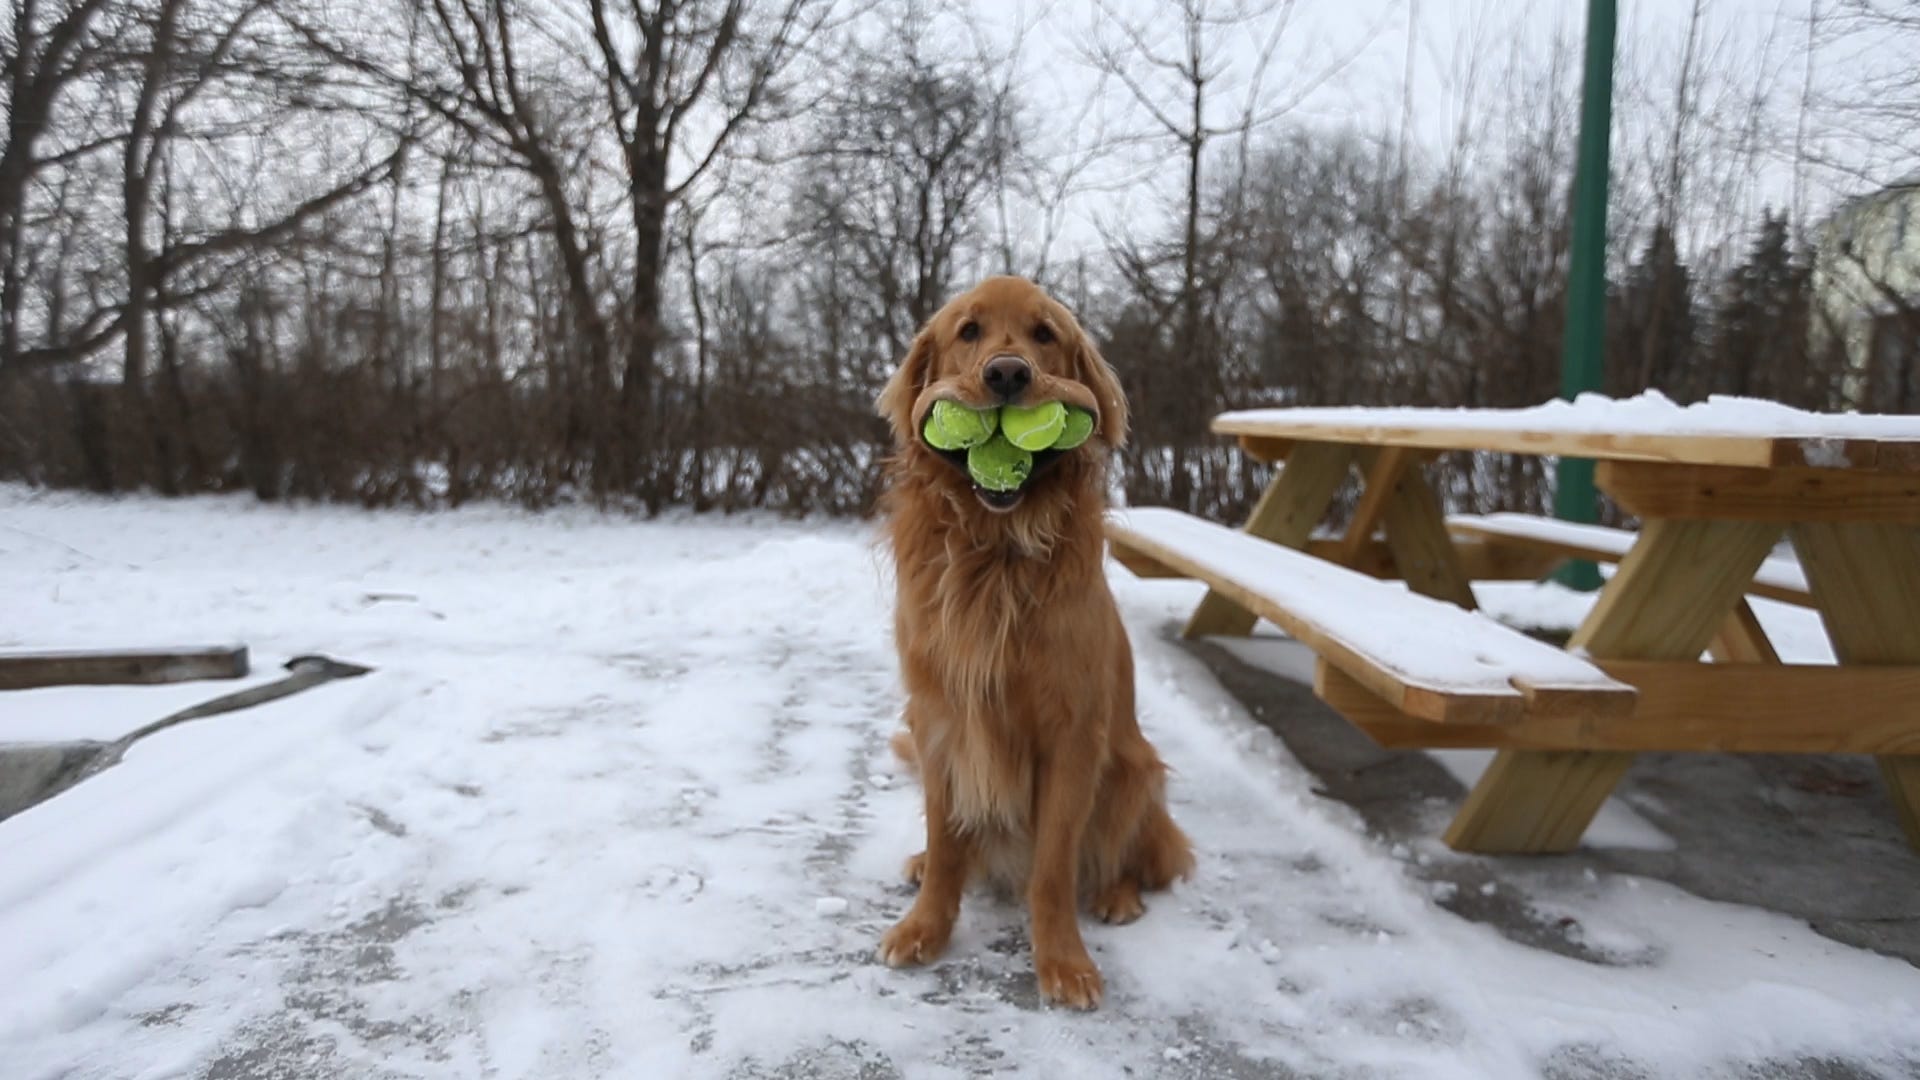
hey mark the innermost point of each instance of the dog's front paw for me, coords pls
(916, 939)
(1069, 980)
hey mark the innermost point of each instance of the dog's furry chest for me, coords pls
(987, 621)
(990, 626)
(989, 777)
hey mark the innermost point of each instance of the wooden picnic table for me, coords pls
(1714, 496)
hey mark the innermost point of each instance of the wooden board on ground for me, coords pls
(109, 667)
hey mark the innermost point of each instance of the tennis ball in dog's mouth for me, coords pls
(1078, 428)
(998, 465)
(1033, 427)
(953, 426)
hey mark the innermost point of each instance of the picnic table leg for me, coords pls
(1294, 502)
(1422, 548)
(1670, 596)
(1742, 640)
(1865, 581)
(1380, 470)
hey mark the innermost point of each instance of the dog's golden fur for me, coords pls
(1020, 713)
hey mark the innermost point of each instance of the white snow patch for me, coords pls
(581, 819)
(1425, 641)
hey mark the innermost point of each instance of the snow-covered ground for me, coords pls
(617, 802)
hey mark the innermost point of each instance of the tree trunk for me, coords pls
(701, 447)
(136, 187)
(640, 444)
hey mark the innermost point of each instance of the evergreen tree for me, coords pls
(1760, 328)
(1651, 331)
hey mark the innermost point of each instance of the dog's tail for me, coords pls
(906, 751)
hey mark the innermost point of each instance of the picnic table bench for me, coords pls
(1413, 666)
(1778, 578)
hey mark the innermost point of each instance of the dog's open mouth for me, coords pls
(1001, 502)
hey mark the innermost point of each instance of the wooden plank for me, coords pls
(1265, 450)
(1682, 706)
(1504, 431)
(1422, 549)
(1141, 565)
(1670, 595)
(1445, 706)
(1485, 560)
(1519, 439)
(1479, 560)
(1375, 558)
(1742, 640)
(1866, 583)
(1898, 455)
(1294, 502)
(1768, 707)
(1674, 589)
(1531, 801)
(1777, 579)
(1383, 469)
(1354, 624)
(26, 670)
(1386, 723)
(1785, 494)
(1565, 547)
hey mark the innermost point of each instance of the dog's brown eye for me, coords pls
(969, 331)
(1043, 334)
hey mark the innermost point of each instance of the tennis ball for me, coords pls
(1078, 428)
(1033, 428)
(953, 426)
(998, 465)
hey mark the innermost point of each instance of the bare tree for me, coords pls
(1176, 79)
(901, 161)
(165, 62)
(1875, 101)
(663, 66)
(48, 49)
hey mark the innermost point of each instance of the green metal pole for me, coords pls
(1581, 350)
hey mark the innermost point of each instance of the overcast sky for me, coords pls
(1348, 63)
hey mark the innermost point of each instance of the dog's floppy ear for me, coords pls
(1099, 377)
(895, 403)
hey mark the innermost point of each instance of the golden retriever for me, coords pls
(1019, 714)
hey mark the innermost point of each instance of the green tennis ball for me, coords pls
(1078, 428)
(1033, 428)
(953, 426)
(998, 465)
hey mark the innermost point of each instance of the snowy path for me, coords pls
(617, 802)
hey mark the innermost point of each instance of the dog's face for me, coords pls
(1003, 342)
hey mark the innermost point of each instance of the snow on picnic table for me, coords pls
(1425, 642)
(1648, 413)
(617, 802)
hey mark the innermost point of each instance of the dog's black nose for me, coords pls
(1007, 376)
